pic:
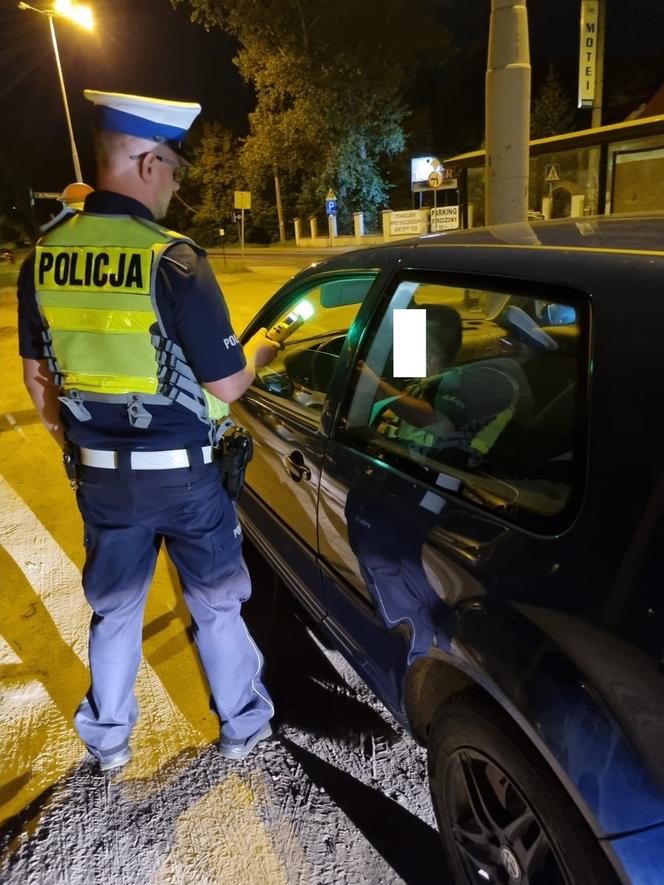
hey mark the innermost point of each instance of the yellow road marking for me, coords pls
(45, 623)
(222, 839)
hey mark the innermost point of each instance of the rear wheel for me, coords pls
(503, 816)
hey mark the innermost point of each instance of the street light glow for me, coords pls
(75, 12)
(81, 15)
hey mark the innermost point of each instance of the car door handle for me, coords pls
(295, 467)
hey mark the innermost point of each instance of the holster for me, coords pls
(232, 455)
(71, 464)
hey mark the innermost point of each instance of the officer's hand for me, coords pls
(261, 348)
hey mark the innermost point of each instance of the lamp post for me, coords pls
(82, 15)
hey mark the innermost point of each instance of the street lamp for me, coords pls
(81, 15)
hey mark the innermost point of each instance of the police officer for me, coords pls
(130, 360)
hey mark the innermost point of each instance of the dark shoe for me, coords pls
(117, 760)
(238, 748)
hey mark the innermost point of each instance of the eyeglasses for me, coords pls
(179, 169)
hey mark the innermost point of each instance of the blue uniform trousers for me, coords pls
(126, 514)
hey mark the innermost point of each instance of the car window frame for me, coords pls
(545, 526)
(284, 300)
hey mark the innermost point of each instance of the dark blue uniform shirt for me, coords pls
(195, 316)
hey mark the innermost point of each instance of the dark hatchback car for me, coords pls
(475, 521)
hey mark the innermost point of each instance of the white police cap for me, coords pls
(526, 329)
(165, 122)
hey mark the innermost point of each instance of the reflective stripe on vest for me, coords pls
(95, 282)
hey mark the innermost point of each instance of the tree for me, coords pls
(215, 175)
(329, 77)
(552, 112)
(205, 201)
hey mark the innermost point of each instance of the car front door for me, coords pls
(282, 410)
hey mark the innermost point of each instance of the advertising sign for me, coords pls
(420, 170)
(444, 218)
(412, 221)
(588, 52)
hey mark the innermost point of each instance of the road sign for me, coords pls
(444, 218)
(552, 172)
(435, 179)
(330, 203)
(242, 200)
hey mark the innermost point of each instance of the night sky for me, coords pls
(145, 47)
(138, 46)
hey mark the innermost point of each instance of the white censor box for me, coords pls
(409, 343)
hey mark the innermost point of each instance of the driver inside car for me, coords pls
(411, 408)
(459, 410)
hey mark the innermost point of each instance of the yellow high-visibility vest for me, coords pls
(95, 285)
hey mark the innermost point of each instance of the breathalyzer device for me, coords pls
(292, 321)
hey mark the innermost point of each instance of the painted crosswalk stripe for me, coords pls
(57, 581)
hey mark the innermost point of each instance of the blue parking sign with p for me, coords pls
(330, 207)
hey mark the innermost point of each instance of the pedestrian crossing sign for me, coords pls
(552, 172)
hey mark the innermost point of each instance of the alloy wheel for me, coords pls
(498, 836)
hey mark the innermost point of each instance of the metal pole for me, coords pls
(74, 152)
(242, 237)
(594, 197)
(507, 113)
(280, 212)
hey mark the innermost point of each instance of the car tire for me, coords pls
(502, 815)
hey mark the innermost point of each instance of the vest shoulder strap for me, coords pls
(171, 235)
(66, 213)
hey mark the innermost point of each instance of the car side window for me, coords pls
(316, 319)
(495, 409)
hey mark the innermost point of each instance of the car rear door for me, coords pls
(414, 519)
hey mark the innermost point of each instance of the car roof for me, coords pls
(642, 233)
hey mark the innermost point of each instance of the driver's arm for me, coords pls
(412, 409)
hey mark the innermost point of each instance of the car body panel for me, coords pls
(642, 854)
(562, 628)
(278, 437)
(429, 563)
